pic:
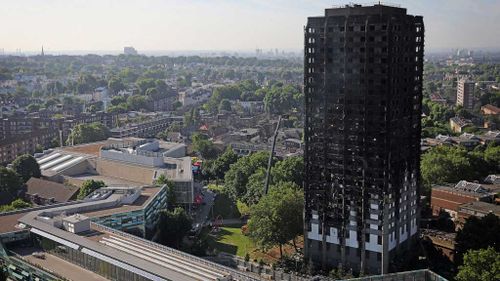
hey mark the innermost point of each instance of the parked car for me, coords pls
(39, 255)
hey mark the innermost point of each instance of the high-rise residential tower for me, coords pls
(465, 94)
(363, 96)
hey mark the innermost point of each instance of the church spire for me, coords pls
(43, 54)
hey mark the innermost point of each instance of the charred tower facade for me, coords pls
(363, 96)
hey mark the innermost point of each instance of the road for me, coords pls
(203, 212)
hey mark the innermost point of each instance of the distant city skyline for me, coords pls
(106, 26)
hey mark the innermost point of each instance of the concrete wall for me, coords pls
(133, 158)
(124, 171)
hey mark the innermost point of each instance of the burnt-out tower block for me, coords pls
(363, 96)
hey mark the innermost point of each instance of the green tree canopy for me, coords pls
(85, 133)
(15, 205)
(116, 100)
(171, 198)
(277, 218)
(217, 168)
(173, 226)
(204, 146)
(450, 164)
(255, 187)
(289, 169)
(115, 84)
(224, 105)
(137, 102)
(10, 181)
(88, 187)
(26, 166)
(236, 179)
(480, 265)
(281, 98)
(478, 233)
(492, 157)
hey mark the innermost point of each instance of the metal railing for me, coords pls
(237, 275)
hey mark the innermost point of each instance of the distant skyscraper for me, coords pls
(129, 51)
(43, 53)
(363, 98)
(465, 94)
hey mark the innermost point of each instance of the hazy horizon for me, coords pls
(106, 26)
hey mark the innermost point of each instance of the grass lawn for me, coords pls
(230, 240)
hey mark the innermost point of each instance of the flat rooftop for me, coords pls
(147, 194)
(8, 221)
(91, 148)
(482, 207)
(110, 181)
(56, 265)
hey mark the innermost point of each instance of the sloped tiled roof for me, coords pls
(48, 189)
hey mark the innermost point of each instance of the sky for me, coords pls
(151, 25)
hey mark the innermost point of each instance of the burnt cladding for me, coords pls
(363, 98)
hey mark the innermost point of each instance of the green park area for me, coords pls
(230, 239)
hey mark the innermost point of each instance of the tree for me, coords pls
(171, 199)
(277, 218)
(478, 233)
(128, 75)
(255, 187)
(26, 166)
(444, 164)
(224, 105)
(289, 169)
(236, 179)
(85, 133)
(115, 84)
(10, 181)
(492, 157)
(173, 226)
(88, 187)
(116, 100)
(204, 146)
(121, 108)
(33, 107)
(20, 204)
(480, 265)
(137, 102)
(280, 99)
(145, 83)
(14, 205)
(217, 168)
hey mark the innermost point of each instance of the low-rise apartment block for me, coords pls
(146, 129)
(25, 143)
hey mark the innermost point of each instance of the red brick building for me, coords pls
(449, 198)
(478, 209)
